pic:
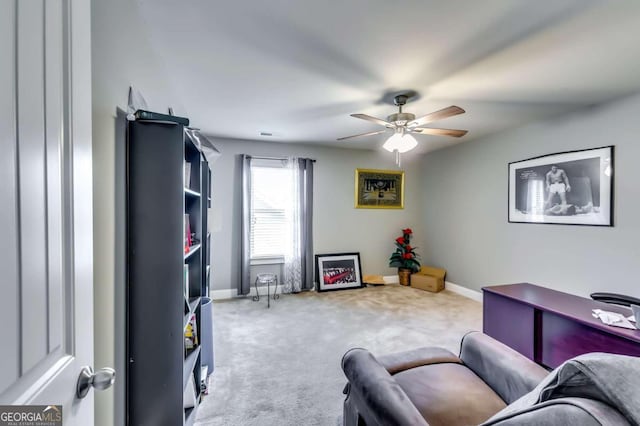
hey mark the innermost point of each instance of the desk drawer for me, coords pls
(509, 322)
(563, 339)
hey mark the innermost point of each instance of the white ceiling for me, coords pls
(299, 68)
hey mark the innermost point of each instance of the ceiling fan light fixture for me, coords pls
(401, 142)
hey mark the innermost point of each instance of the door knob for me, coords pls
(100, 380)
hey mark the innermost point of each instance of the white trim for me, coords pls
(227, 293)
(463, 291)
(232, 293)
(391, 279)
(455, 288)
(267, 260)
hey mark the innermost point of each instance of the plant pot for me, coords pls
(404, 276)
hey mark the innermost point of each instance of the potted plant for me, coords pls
(404, 258)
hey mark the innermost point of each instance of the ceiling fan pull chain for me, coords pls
(397, 157)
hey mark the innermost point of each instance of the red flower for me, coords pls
(404, 255)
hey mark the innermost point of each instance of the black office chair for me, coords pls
(616, 299)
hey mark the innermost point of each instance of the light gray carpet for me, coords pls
(282, 366)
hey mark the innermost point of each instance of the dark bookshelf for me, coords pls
(160, 194)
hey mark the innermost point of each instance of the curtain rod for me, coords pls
(274, 158)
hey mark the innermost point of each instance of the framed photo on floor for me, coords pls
(379, 189)
(338, 271)
(572, 188)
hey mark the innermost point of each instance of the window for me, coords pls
(271, 198)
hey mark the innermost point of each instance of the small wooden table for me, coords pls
(550, 327)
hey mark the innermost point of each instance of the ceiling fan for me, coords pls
(403, 124)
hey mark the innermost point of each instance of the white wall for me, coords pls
(121, 56)
(465, 209)
(337, 225)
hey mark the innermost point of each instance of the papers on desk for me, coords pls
(614, 319)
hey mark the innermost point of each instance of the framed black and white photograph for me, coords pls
(573, 188)
(338, 271)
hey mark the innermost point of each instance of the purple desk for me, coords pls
(549, 326)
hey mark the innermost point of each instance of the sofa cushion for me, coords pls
(506, 371)
(449, 394)
(609, 378)
(563, 411)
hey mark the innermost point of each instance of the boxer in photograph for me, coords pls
(557, 184)
(569, 210)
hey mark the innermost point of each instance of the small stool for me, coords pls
(267, 279)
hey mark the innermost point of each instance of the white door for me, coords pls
(46, 253)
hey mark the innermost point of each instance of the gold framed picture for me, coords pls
(379, 189)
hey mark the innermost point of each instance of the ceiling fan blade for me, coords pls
(373, 120)
(377, 132)
(441, 132)
(437, 115)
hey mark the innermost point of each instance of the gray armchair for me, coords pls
(432, 386)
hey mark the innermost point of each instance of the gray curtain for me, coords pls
(305, 166)
(244, 284)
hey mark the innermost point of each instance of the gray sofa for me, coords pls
(488, 384)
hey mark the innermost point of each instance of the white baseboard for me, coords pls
(463, 291)
(227, 293)
(391, 279)
(232, 293)
(458, 289)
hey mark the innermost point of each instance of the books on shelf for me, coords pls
(187, 174)
(186, 282)
(150, 115)
(187, 233)
(191, 333)
(204, 373)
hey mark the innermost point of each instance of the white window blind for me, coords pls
(270, 198)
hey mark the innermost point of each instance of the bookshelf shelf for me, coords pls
(189, 364)
(193, 304)
(190, 416)
(185, 322)
(193, 249)
(168, 181)
(191, 193)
